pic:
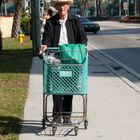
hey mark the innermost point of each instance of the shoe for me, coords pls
(67, 121)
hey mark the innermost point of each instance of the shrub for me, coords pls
(135, 17)
(131, 19)
(25, 23)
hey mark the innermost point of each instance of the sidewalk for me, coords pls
(113, 106)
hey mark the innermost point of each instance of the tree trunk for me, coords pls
(98, 8)
(17, 17)
(138, 7)
(100, 11)
(1, 45)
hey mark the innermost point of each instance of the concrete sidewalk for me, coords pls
(113, 106)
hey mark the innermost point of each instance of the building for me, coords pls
(7, 10)
(7, 7)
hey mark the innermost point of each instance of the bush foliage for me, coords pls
(25, 23)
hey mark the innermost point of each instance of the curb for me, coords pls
(129, 70)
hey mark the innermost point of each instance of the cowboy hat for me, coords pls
(53, 2)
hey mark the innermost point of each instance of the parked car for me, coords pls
(89, 26)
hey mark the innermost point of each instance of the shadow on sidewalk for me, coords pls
(31, 126)
(12, 125)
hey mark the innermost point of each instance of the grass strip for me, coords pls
(15, 64)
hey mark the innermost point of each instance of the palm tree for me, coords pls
(98, 7)
(17, 17)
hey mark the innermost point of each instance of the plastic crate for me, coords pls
(65, 79)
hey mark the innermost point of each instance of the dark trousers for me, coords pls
(62, 105)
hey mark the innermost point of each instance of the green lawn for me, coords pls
(15, 64)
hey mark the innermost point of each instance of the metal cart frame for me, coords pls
(53, 70)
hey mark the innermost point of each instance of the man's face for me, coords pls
(62, 8)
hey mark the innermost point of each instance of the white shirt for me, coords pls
(63, 32)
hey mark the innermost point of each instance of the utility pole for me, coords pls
(120, 8)
(95, 6)
(35, 26)
(128, 7)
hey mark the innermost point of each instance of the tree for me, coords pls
(83, 5)
(17, 17)
(98, 8)
(138, 8)
(0, 3)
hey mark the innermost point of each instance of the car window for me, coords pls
(84, 20)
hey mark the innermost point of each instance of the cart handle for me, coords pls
(53, 48)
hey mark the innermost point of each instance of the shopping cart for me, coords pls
(61, 78)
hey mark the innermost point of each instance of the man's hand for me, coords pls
(43, 48)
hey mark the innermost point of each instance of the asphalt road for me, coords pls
(120, 41)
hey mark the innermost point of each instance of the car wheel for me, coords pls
(95, 32)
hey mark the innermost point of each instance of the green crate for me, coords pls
(65, 79)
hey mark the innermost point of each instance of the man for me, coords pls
(46, 15)
(62, 28)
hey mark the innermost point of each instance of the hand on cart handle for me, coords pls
(42, 49)
(87, 50)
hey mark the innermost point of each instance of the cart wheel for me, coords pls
(43, 124)
(85, 124)
(76, 130)
(54, 128)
